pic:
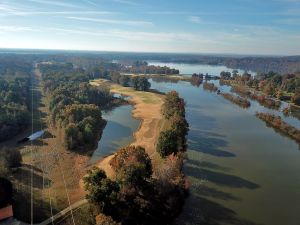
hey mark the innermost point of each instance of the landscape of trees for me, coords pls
(136, 196)
(142, 67)
(283, 87)
(75, 104)
(15, 98)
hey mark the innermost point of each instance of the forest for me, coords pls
(15, 97)
(74, 104)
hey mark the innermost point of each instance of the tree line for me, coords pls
(173, 139)
(242, 102)
(143, 68)
(279, 125)
(139, 83)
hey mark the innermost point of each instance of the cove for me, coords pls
(118, 131)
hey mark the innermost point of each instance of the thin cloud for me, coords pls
(135, 35)
(14, 28)
(55, 3)
(9, 10)
(167, 13)
(110, 21)
(288, 21)
(195, 19)
(90, 2)
(126, 2)
(66, 13)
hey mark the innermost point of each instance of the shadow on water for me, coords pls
(219, 178)
(208, 165)
(208, 143)
(203, 190)
(208, 211)
(211, 213)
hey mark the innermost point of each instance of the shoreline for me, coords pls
(147, 109)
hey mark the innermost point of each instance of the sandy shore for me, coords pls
(147, 108)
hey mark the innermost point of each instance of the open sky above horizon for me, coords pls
(190, 26)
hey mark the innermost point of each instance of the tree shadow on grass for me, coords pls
(219, 178)
(22, 207)
(23, 175)
(29, 167)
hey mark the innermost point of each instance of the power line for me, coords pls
(43, 165)
(31, 155)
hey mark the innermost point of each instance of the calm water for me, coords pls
(188, 69)
(242, 172)
(118, 131)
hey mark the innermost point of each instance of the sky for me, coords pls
(270, 27)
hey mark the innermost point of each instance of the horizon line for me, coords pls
(149, 52)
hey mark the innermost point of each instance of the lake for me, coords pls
(189, 69)
(118, 132)
(242, 172)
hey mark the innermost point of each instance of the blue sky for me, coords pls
(196, 26)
